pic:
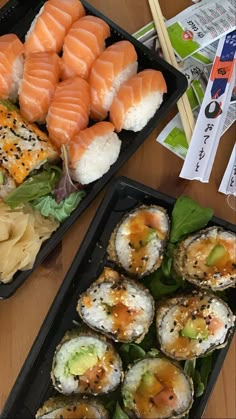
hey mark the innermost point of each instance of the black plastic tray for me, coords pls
(33, 385)
(16, 16)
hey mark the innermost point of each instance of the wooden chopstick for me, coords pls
(183, 104)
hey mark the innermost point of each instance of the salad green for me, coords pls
(50, 191)
(37, 185)
(187, 216)
(48, 206)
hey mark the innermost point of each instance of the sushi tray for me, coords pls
(16, 17)
(133, 340)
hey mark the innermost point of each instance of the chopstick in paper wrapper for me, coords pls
(228, 183)
(210, 122)
(183, 105)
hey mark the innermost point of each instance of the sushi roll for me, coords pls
(72, 407)
(207, 258)
(137, 100)
(40, 77)
(138, 242)
(157, 388)
(84, 42)
(112, 68)
(48, 30)
(23, 146)
(193, 325)
(11, 66)
(118, 307)
(93, 151)
(85, 363)
(68, 112)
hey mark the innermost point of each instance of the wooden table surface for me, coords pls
(22, 315)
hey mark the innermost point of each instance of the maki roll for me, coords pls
(207, 259)
(85, 363)
(193, 325)
(157, 388)
(72, 407)
(118, 307)
(137, 244)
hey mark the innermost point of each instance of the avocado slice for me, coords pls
(151, 233)
(83, 360)
(1, 178)
(149, 384)
(217, 253)
(195, 329)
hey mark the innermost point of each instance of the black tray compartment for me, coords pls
(33, 385)
(16, 16)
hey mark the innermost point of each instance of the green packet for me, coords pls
(199, 25)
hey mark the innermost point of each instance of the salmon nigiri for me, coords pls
(84, 42)
(69, 110)
(48, 29)
(11, 65)
(137, 100)
(114, 66)
(93, 151)
(40, 77)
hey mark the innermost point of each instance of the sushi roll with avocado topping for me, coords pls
(72, 407)
(207, 259)
(191, 326)
(85, 363)
(118, 307)
(157, 388)
(137, 244)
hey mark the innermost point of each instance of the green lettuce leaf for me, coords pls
(198, 384)
(9, 105)
(119, 413)
(129, 352)
(48, 206)
(205, 368)
(160, 285)
(189, 367)
(188, 216)
(34, 187)
(199, 371)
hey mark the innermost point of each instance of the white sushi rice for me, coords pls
(68, 349)
(153, 248)
(97, 159)
(199, 346)
(129, 71)
(16, 76)
(133, 298)
(179, 383)
(138, 116)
